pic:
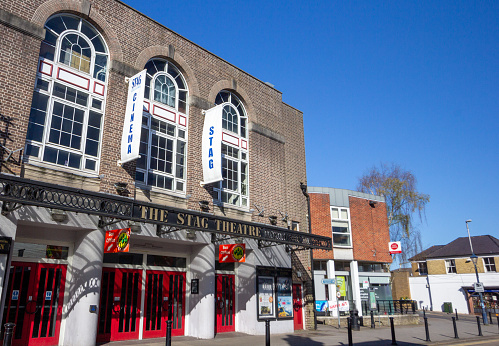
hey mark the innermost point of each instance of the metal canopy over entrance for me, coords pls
(16, 192)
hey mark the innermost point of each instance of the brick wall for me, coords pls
(400, 284)
(320, 208)
(370, 233)
(436, 267)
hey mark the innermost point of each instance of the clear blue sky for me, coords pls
(414, 83)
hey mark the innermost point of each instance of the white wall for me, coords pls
(447, 288)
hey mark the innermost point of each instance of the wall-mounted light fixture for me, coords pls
(134, 226)
(373, 204)
(121, 188)
(204, 205)
(191, 234)
(58, 215)
(273, 219)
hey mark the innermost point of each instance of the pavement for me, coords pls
(440, 327)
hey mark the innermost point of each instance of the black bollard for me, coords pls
(169, 333)
(355, 320)
(457, 318)
(349, 322)
(426, 329)
(424, 313)
(372, 320)
(455, 328)
(497, 321)
(490, 318)
(392, 326)
(479, 326)
(9, 333)
(267, 333)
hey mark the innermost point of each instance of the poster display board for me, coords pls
(275, 293)
(266, 297)
(284, 297)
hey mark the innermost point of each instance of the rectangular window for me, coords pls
(234, 186)
(422, 268)
(340, 227)
(450, 265)
(162, 155)
(489, 264)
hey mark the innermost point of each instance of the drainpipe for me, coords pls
(305, 193)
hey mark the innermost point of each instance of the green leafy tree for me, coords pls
(404, 204)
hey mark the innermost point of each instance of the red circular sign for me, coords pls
(394, 246)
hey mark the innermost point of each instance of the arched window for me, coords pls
(164, 128)
(234, 189)
(67, 110)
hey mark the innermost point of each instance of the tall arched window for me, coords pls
(67, 110)
(234, 189)
(164, 128)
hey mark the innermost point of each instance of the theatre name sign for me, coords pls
(16, 192)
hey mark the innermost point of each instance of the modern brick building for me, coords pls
(359, 260)
(65, 69)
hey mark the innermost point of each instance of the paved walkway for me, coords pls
(440, 326)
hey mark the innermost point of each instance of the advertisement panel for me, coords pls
(284, 297)
(266, 297)
(117, 240)
(231, 253)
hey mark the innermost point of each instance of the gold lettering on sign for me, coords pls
(180, 219)
(204, 222)
(218, 223)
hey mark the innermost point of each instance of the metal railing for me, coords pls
(391, 307)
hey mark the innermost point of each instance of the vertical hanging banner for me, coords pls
(130, 140)
(117, 240)
(212, 145)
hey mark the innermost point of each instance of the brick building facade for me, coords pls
(65, 68)
(358, 225)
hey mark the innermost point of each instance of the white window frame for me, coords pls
(341, 220)
(41, 145)
(142, 173)
(228, 98)
(450, 266)
(425, 267)
(489, 264)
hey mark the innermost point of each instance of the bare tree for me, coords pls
(404, 204)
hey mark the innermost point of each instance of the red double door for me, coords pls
(35, 295)
(225, 303)
(120, 304)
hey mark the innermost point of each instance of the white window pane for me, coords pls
(334, 213)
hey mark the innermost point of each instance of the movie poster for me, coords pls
(266, 300)
(284, 297)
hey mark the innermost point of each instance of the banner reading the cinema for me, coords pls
(130, 140)
(212, 145)
(117, 240)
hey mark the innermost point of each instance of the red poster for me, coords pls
(232, 253)
(117, 240)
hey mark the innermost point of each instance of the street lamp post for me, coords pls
(474, 259)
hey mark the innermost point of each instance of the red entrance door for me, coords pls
(225, 303)
(297, 306)
(119, 311)
(165, 297)
(34, 302)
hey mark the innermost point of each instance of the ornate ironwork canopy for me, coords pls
(16, 191)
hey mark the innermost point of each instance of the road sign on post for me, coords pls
(328, 281)
(478, 287)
